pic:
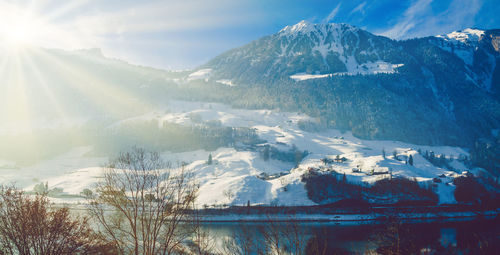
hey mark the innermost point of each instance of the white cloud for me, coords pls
(360, 8)
(84, 23)
(332, 14)
(165, 16)
(412, 16)
(419, 19)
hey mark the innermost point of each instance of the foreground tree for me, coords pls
(30, 225)
(141, 202)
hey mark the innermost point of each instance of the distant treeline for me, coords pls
(328, 188)
(108, 141)
(172, 137)
(292, 155)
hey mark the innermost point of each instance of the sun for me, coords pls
(20, 33)
(20, 30)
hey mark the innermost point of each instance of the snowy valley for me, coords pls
(242, 174)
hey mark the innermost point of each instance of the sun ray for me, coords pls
(5, 86)
(104, 95)
(65, 9)
(41, 81)
(17, 102)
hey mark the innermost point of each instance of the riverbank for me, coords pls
(350, 215)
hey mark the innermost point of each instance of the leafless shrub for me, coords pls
(278, 237)
(284, 237)
(30, 225)
(394, 237)
(202, 242)
(241, 242)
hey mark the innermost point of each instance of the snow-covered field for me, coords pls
(233, 176)
(367, 68)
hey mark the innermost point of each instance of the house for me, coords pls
(339, 159)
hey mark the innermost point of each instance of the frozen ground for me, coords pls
(232, 178)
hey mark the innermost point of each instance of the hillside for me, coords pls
(434, 90)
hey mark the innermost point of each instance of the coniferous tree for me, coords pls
(209, 161)
(410, 160)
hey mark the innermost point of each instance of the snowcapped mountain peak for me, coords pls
(469, 36)
(306, 27)
(462, 43)
(301, 27)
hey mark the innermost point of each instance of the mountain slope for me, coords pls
(433, 90)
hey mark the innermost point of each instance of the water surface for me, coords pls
(465, 237)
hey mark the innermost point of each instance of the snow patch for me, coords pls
(304, 76)
(226, 82)
(202, 74)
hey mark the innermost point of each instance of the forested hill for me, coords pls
(433, 90)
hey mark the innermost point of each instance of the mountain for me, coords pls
(433, 90)
(314, 49)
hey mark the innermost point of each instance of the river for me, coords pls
(463, 237)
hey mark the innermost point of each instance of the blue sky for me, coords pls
(180, 34)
